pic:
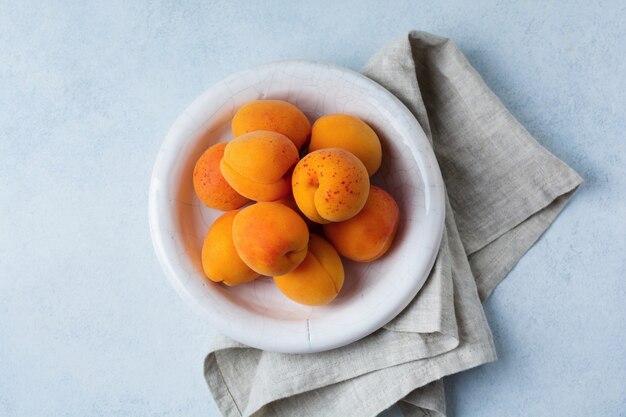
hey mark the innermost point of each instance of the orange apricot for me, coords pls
(275, 115)
(368, 235)
(330, 185)
(220, 260)
(258, 165)
(349, 133)
(270, 238)
(318, 279)
(290, 202)
(209, 183)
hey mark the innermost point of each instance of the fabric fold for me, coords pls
(503, 192)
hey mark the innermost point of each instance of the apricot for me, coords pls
(210, 185)
(318, 279)
(368, 235)
(258, 165)
(349, 133)
(291, 203)
(275, 115)
(220, 260)
(270, 238)
(330, 185)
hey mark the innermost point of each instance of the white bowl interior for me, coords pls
(257, 314)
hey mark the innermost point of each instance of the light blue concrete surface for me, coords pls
(89, 326)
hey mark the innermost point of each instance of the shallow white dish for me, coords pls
(257, 314)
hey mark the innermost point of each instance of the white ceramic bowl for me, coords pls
(257, 314)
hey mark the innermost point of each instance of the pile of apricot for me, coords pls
(278, 180)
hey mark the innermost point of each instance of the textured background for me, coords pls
(89, 325)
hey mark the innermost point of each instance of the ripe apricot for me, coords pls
(368, 235)
(210, 185)
(270, 238)
(275, 115)
(318, 279)
(220, 260)
(330, 185)
(258, 165)
(349, 133)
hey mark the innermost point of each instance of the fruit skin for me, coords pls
(291, 203)
(258, 165)
(330, 185)
(209, 183)
(275, 115)
(318, 279)
(349, 133)
(368, 235)
(270, 238)
(220, 260)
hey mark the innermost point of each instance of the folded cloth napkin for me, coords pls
(503, 191)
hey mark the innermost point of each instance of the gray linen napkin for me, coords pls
(503, 191)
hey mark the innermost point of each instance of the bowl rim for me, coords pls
(431, 176)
